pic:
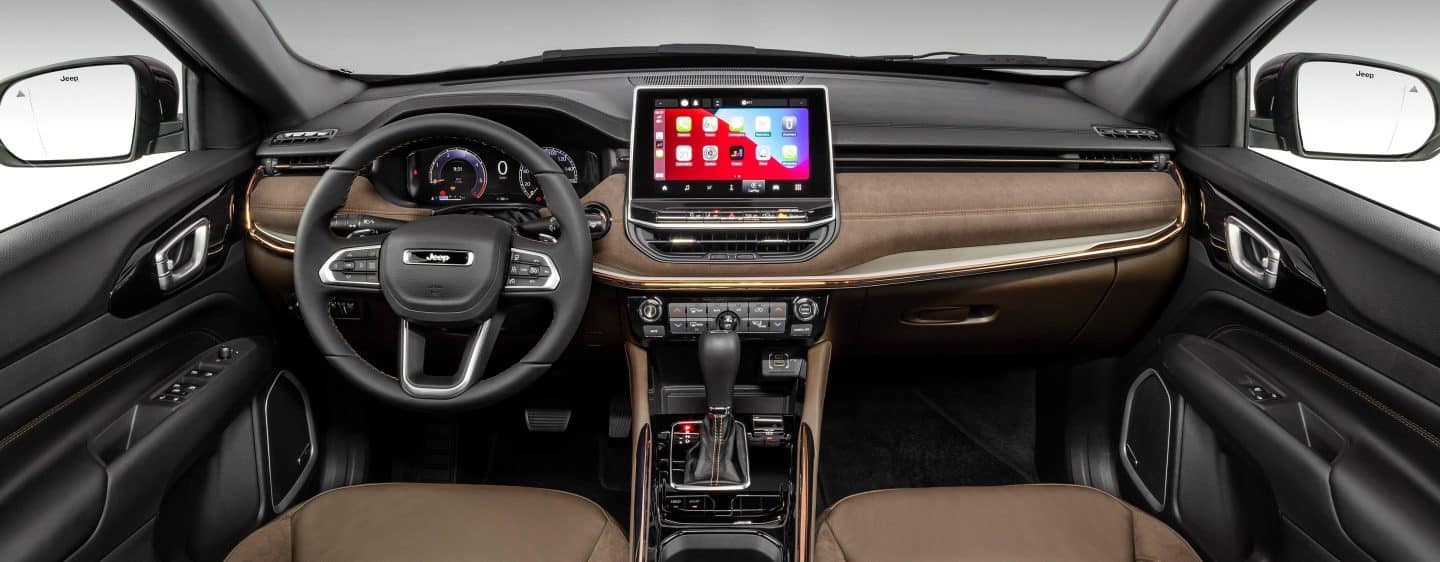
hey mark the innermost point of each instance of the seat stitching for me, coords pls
(596, 547)
(1345, 384)
(836, 537)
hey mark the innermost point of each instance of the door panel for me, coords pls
(87, 453)
(1308, 411)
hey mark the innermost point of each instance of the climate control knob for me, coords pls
(805, 309)
(650, 309)
(727, 321)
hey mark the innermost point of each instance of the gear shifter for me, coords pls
(722, 456)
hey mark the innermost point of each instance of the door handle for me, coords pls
(1254, 256)
(182, 255)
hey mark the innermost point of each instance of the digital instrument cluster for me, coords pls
(448, 175)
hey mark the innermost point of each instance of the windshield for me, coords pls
(389, 37)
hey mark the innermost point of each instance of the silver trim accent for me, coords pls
(550, 283)
(830, 149)
(281, 236)
(1267, 272)
(289, 497)
(328, 277)
(412, 257)
(467, 371)
(166, 274)
(1156, 504)
(744, 434)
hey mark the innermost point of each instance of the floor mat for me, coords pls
(886, 426)
(493, 446)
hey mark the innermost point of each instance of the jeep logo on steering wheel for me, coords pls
(437, 257)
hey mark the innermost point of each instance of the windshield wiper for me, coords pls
(994, 61)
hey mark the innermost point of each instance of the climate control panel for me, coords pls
(753, 317)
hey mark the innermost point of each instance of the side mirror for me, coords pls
(1345, 108)
(92, 111)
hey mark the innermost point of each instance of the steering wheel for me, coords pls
(446, 271)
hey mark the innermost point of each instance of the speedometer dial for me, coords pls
(455, 175)
(567, 165)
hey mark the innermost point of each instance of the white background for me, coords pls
(1405, 32)
(35, 33)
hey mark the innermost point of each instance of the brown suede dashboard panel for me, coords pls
(275, 202)
(889, 213)
(881, 214)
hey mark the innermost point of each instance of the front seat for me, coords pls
(438, 522)
(1029, 522)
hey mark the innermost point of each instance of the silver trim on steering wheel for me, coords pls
(467, 372)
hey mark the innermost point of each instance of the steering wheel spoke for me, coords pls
(355, 268)
(478, 348)
(531, 271)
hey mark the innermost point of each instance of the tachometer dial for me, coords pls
(455, 175)
(567, 165)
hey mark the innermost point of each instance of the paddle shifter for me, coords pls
(721, 457)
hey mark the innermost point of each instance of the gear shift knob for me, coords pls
(719, 364)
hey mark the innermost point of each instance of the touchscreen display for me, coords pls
(732, 145)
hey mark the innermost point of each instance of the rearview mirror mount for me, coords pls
(1345, 108)
(90, 111)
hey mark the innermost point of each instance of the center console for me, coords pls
(726, 175)
(731, 174)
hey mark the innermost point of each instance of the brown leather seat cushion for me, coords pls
(1039, 522)
(438, 522)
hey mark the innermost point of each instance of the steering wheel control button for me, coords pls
(353, 267)
(529, 270)
(806, 309)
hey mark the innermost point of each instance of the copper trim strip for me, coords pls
(939, 271)
(804, 503)
(258, 234)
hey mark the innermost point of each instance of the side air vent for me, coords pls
(1127, 133)
(732, 245)
(715, 79)
(294, 164)
(302, 137)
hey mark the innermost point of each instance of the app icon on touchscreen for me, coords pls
(737, 152)
(789, 153)
(682, 153)
(762, 153)
(710, 124)
(683, 124)
(711, 153)
(737, 124)
(787, 122)
(762, 123)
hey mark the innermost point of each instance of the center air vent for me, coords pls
(718, 245)
(1127, 133)
(715, 79)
